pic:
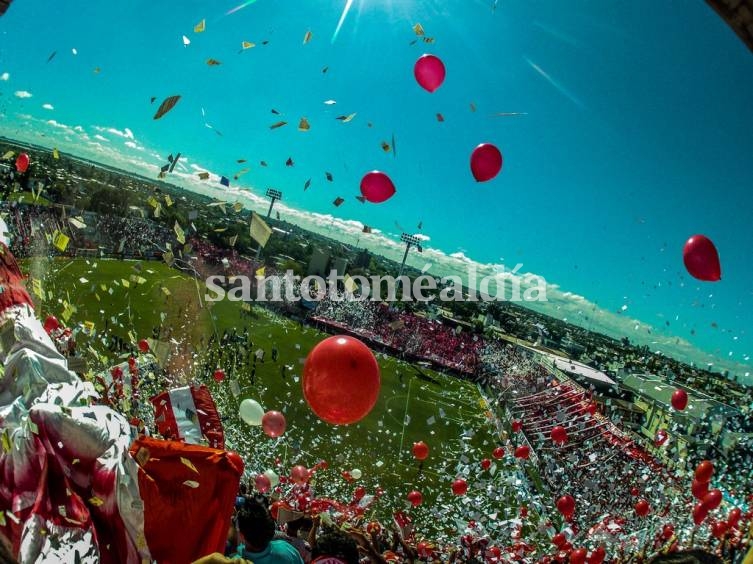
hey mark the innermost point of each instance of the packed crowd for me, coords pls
(413, 336)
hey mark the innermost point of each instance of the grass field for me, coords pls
(447, 414)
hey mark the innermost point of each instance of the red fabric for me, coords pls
(211, 426)
(183, 523)
(206, 411)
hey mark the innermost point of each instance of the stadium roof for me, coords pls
(652, 387)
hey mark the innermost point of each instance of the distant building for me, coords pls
(688, 430)
(318, 263)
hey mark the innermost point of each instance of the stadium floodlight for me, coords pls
(410, 241)
(273, 195)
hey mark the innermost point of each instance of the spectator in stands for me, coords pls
(297, 532)
(333, 543)
(257, 531)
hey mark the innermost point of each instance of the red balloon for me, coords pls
(486, 464)
(592, 409)
(498, 452)
(719, 529)
(712, 499)
(597, 556)
(51, 324)
(116, 372)
(704, 471)
(341, 380)
(517, 426)
(699, 489)
(679, 399)
(486, 162)
(420, 450)
(699, 513)
(667, 532)
(300, 474)
(578, 556)
(642, 508)
(523, 451)
(566, 505)
(429, 72)
(131, 361)
(415, 498)
(273, 424)
(559, 540)
(377, 187)
(734, 517)
(359, 493)
(702, 259)
(424, 549)
(459, 486)
(558, 435)
(22, 162)
(219, 375)
(262, 483)
(144, 346)
(634, 491)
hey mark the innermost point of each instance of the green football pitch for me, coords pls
(129, 299)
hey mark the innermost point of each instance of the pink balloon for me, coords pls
(429, 72)
(702, 259)
(377, 187)
(262, 483)
(22, 162)
(300, 474)
(486, 162)
(273, 424)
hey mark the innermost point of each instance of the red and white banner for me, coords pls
(189, 414)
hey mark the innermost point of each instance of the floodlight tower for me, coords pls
(410, 241)
(273, 195)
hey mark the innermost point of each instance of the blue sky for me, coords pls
(636, 134)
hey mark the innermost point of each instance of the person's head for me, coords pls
(255, 525)
(303, 524)
(338, 544)
(693, 556)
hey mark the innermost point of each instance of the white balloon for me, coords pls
(356, 474)
(251, 412)
(273, 478)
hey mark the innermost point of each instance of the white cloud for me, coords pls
(22, 94)
(57, 124)
(101, 138)
(47, 107)
(125, 134)
(5, 76)
(422, 237)
(131, 144)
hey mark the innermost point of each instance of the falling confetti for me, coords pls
(167, 105)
